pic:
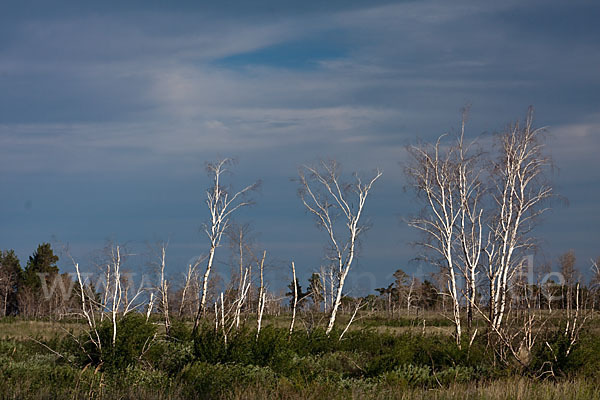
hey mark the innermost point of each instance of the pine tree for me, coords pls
(10, 274)
(301, 295)
(43, 261)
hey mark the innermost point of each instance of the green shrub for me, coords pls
(330, 367)
(180, 331)
(439, 352)
(408, 375)
(20, 350)
(584, 358)
(209, 346)
(346, 364)
(457, 374)
(137, 376)
(550, 355)
(270, 349)
(169, 356)
(134, 336)
(204, 380)
(315, 343)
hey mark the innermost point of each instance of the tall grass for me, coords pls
(514, 389)
(367, 363)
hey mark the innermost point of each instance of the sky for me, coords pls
(109, 111)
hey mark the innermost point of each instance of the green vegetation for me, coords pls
(83, 343)
(367, 363)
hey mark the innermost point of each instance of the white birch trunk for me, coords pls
(295, 299)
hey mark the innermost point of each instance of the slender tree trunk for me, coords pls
(261, 297)
(5, 303)
(202, 305)
(186, 285)
(336, 304)
(209, 264)
(295, 299)
(472, 298)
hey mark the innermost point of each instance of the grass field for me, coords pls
(379, 358)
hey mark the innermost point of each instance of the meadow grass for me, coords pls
(379, 358)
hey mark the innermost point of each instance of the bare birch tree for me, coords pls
(222, 203)
(295, 303)
(114, 302)
(87, 309)
(241, 242)
(163, 288)
(190, 282)
(433, 176)
(470, 223)
(519, 194)
(261, 295)
(326, 197)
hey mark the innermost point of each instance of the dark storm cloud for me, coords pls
(112, 104)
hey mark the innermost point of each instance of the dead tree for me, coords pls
(189, 282)
(326, 197)
(262, 296)
(120, 303)
(295, 303)
(117, 304)
(470, 224)
(160, 291)
(117, 291)
(150, 306)
(315, 290)
(107, 289)
(568, 271)
(433, 175)
(327, 279)
(356, 308)
(519, 195)
(87, 310)
(241, 296)
(410, 295)
(163, 289)
(241, 241)
(221, 205)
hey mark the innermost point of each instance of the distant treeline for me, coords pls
(40, 290)
(22, 290)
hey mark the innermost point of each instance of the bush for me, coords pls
(170, 357)
(330, 367)
(270, 349)
(458, 374)
(180, 332)
(134, 336)
(408, 375)
(137, 376)
(550, 355)
(584, 357)
(204, 380)
(424, 376)
(315, 343)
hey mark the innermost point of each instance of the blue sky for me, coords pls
(108, 112)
